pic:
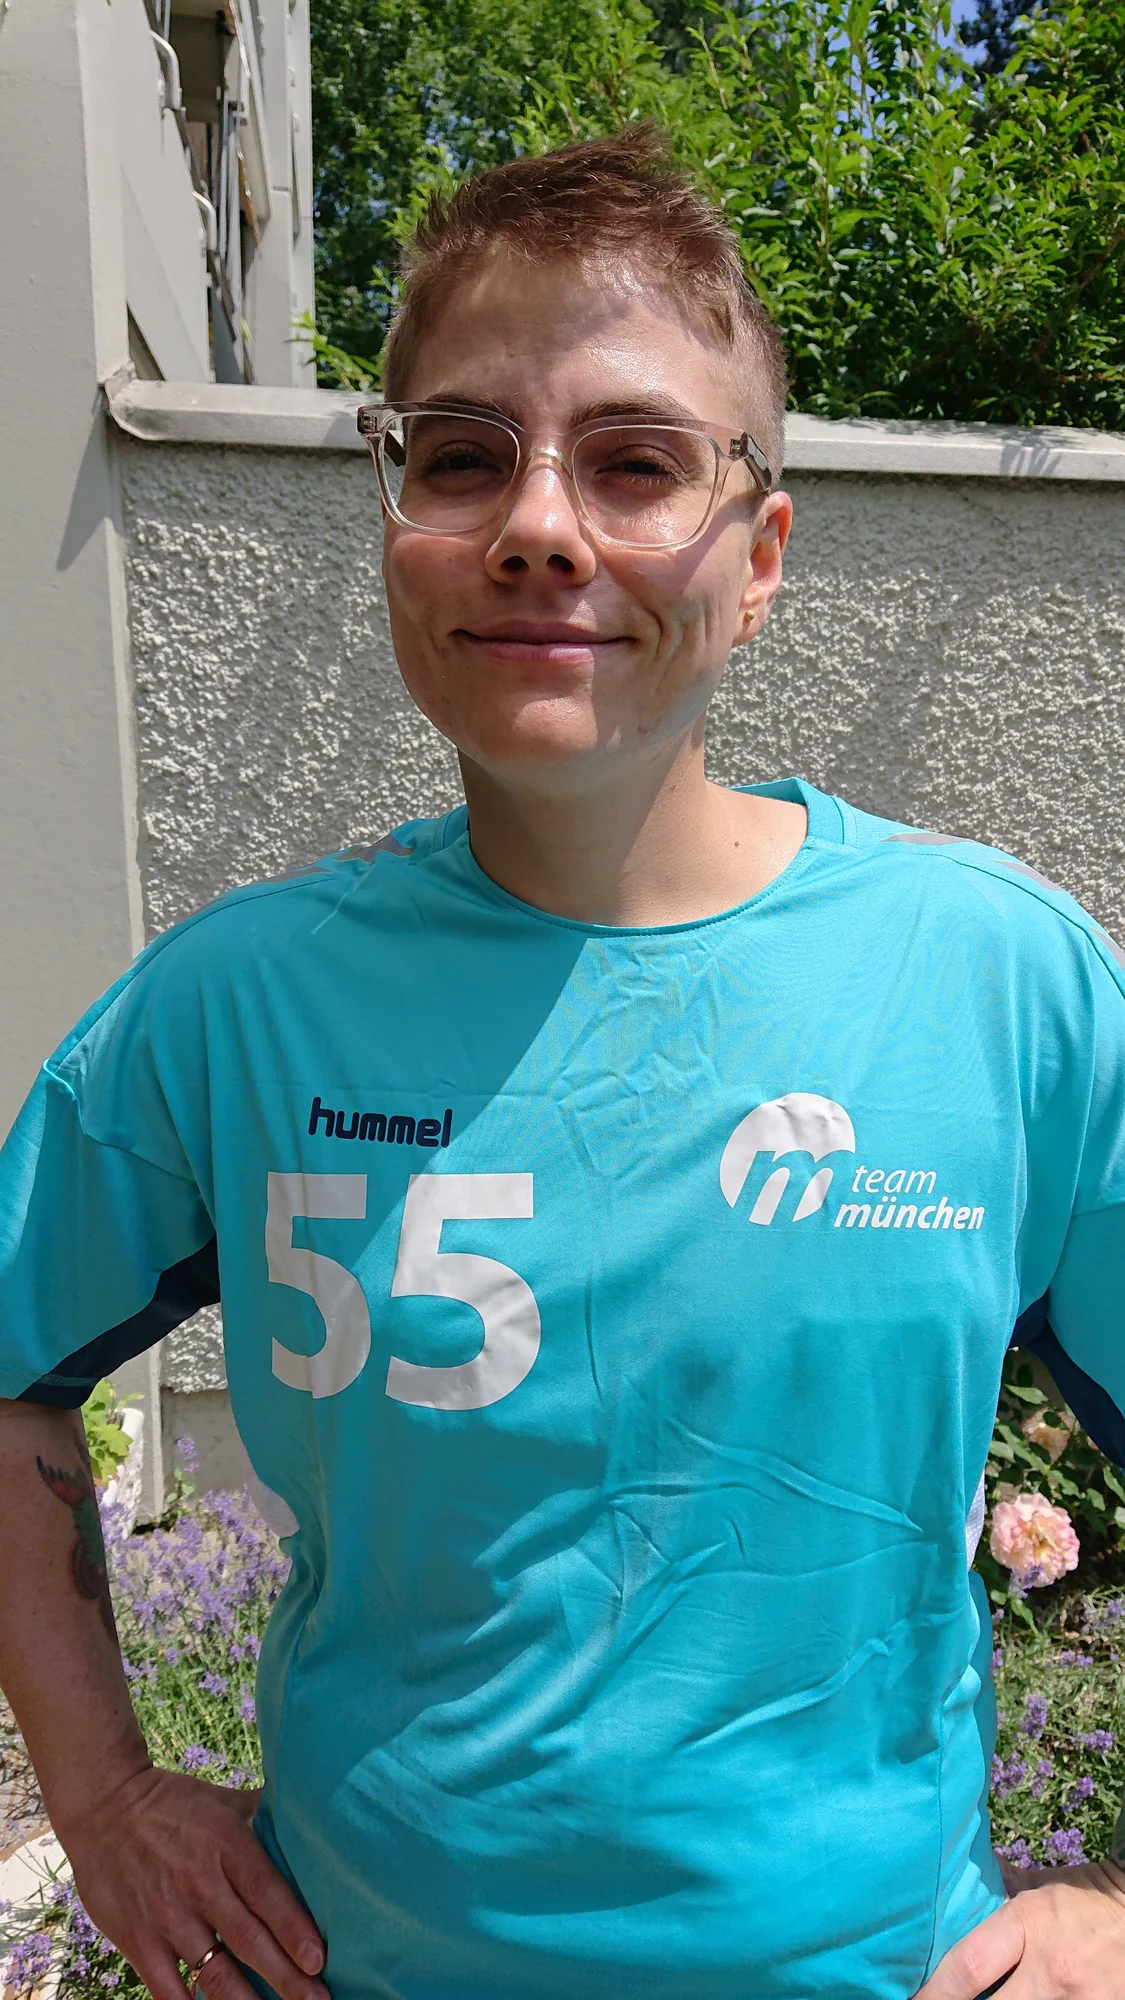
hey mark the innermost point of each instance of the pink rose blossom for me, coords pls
(1053, 1438)
(1034, 1540)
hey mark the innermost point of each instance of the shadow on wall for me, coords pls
(94, 498)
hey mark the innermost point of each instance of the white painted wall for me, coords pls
(70, 910)
(98, 223)
(70, 901)
(282, 273)
(165, 268)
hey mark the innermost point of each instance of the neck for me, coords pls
(656, 844)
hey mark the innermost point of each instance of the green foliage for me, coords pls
(404, 93)
(993, 32)
(1057, 1781)
(935, 239)
(106, 1442)
(335, 364)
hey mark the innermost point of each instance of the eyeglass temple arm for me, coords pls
(744, 447)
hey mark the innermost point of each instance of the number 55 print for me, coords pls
(504, 1301)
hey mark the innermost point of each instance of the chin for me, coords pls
(551, 730)
(511, 753)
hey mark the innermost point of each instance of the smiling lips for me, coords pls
(527, 639)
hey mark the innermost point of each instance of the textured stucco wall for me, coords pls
(949, 651)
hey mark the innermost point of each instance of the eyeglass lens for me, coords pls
(648, 484)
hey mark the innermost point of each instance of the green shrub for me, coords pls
(935, 240)
(106, 1442)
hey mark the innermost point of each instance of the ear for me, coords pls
(763, 564)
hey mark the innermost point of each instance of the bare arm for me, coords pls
(163, 1862)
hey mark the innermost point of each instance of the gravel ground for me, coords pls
(21, 1808)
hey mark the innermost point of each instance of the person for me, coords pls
(622, 1191)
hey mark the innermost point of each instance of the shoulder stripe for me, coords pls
(991, 860)
(922, 837)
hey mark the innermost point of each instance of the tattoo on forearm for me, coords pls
(87, 1555)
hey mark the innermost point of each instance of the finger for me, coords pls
(264, 1891)
(250, 1940)
(160, 1972)
(982, 1959)
(222, 1980)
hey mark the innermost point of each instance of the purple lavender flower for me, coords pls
(1017, 1854)
(997, 1660)
(28, 1962)
(1007, 1776)
(1031, 1578)
(187, 1454)
(1063, 1848)
(196, 1758)
(1042, 1776)
(1035, 1718)
(81, 1931)
(1096, 1739)
(242, 1776)
(247, 1709)
(214, 1684)
(1072, 1659)
(1115, 1608)
(1082, 1790)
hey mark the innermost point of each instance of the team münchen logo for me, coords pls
(799, 1123)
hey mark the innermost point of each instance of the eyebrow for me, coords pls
(659, 406)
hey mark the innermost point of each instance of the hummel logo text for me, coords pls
(398, 1130)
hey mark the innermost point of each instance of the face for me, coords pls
(546, 655)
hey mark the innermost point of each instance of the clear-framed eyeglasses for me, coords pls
(450, 469)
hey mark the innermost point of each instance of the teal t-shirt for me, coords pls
(620, 1312)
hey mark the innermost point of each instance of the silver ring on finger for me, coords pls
(196, 1970)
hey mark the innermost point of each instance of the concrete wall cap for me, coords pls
(237, 413)
(219, 413)
(921, 447)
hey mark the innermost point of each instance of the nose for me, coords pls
(541, 532)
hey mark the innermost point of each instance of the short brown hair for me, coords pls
(621, 195)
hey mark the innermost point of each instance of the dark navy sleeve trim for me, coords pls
(1095, 1409)
(181, 1291)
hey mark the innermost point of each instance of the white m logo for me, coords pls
(799, 1123)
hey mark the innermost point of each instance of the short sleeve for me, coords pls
(1083, 1336)
(105, 1240)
